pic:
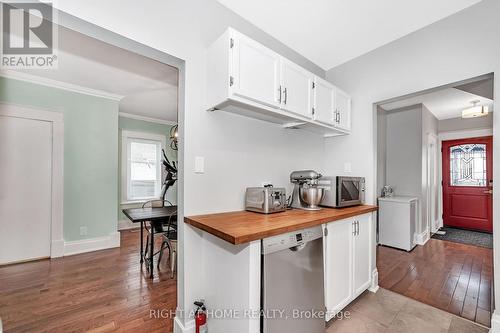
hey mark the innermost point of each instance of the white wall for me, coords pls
(404, 151)
(239, 152)
(406, 66)
(459, 124)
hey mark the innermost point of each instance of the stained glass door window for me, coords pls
(468, 165)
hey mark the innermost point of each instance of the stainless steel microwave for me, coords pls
(342, 191)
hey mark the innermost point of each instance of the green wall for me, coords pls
(146, 127)
(90, 153)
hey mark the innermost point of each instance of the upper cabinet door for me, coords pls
(324, 106)
(337, 254)
(362, 254)
(255, 71)
(342, 110)
(296, 87)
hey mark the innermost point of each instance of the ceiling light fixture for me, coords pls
(475, 111)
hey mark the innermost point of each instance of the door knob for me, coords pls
(488, 192)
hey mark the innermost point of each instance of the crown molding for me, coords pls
(21, 76)
(148, 119)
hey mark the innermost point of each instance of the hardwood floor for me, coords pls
(453, 277)
(103, 291)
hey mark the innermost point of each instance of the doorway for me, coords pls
(83, 92)
(467, 183)
(446, 166)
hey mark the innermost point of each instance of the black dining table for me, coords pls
(156, 216)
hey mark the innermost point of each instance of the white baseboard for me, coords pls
(180, 328)
(92, 244)
(57, 248)
(127, 224)
(374, 285)
(495, 322)
(422, 238)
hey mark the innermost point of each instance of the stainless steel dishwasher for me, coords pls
(292, 282)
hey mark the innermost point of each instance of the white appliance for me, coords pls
(397, 221)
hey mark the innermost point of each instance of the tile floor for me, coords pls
(386, 311)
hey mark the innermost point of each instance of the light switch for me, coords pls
(347, 167)
(199, 164)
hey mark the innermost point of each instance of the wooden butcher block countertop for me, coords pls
(243, 227)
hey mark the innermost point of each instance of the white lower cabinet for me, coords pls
(347, 250)
(362, 254)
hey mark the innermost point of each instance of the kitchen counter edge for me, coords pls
(229, 227)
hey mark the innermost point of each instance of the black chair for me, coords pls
(168, 230)
(170, 242)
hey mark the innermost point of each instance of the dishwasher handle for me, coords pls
(298, 248)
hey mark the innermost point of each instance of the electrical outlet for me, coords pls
(83, 231)
(347, 167)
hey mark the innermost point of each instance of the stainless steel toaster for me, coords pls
(265, 200)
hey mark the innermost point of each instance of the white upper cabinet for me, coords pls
(324, 107)
(342, 110)
(255, 71)
(296, 86)
(247, 78)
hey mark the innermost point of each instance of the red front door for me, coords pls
(467, 183)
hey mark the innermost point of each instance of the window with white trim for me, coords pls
(141, 166)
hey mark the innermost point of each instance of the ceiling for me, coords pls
(331, 32)
(444, 104)
(148, 88)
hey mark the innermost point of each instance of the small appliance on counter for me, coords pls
(306, 193)
(266, 200)
(342, 191)
(387, 191)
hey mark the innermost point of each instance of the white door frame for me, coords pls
(57, 121)
(432, 140)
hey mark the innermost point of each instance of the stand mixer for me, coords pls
(306, 193)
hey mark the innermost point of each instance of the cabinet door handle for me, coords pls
(279, 91)
(357, 228)
(354, 228)
(286, 96)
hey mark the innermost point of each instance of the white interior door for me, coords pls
(25, 189)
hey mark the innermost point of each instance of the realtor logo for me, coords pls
(28, 35)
